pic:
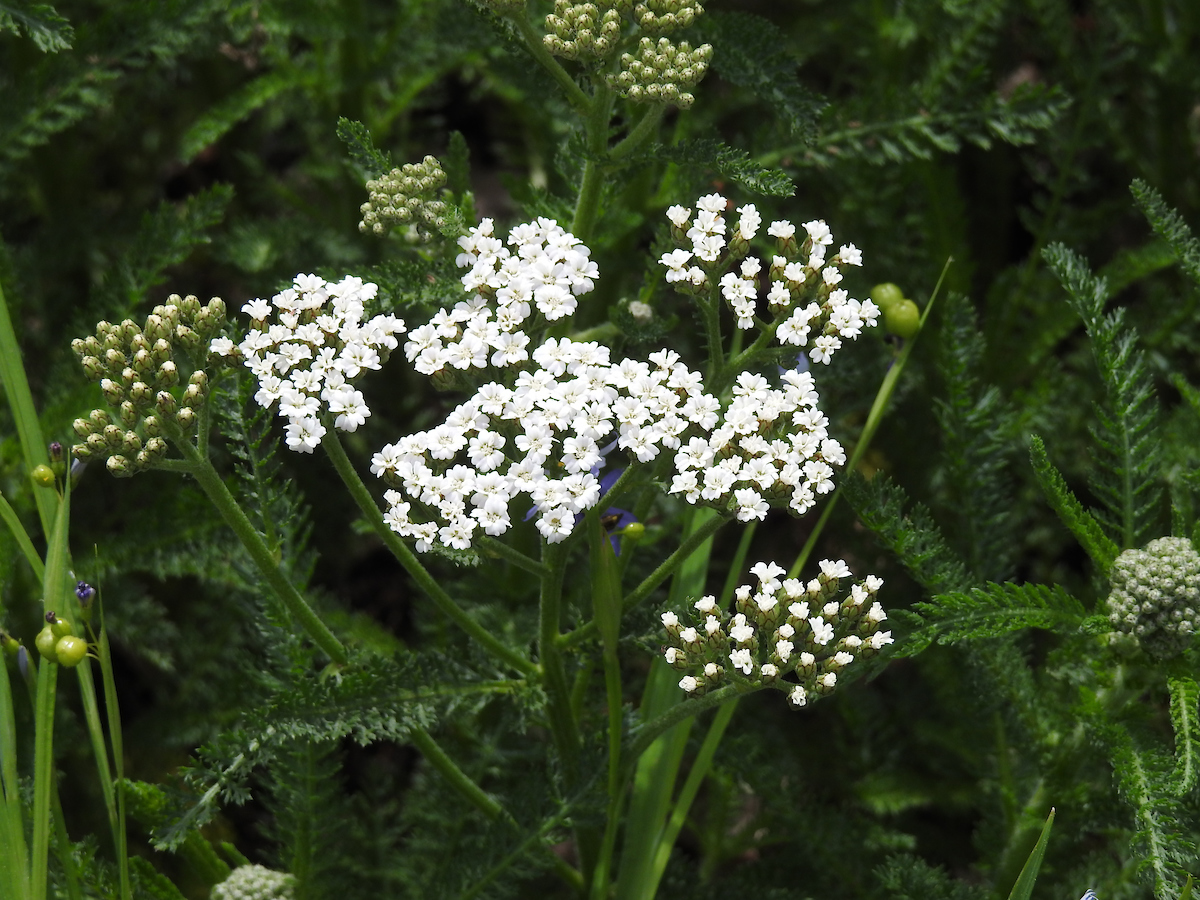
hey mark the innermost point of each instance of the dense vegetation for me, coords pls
(1026, 172)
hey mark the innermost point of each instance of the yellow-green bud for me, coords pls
(165, 404)
(45, 643)
(168, 374)
(42, 475)
(186, 417)
(70, 651)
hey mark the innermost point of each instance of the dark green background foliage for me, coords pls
(156, 147)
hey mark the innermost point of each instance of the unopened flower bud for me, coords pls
(165, 404)
(128, 414)
(119, 466)
(168, 374)
(93, 368)
(186, 417)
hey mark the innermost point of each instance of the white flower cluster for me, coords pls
(255, 883)
(543, 430)
(783, 628)
(803, 295)
(309, 357)
(546, 269)
(769, 444)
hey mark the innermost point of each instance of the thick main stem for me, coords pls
(412, 565)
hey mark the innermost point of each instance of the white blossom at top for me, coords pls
(308, 357)
(807, 310)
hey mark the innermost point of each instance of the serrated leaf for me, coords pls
(751, 52)
(369, 160)
(1185, 699)
(997, 609)
(152, 883)
(735, 165)
(219, 119)
(1170, 227)
(48, 30)
(1080, 522)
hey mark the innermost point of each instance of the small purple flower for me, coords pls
(86, 594)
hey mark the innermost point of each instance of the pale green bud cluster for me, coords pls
(582, 31)
(137, 370)
(656, 17)
(661, 72)
(1155, 594)
(405, 196)
(256, 883)
(793, 636)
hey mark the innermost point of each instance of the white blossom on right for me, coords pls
(783, 633)
(804, 304)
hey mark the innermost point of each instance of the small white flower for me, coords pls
(670, 620)
(798, 697)
(741, 659)
(688, 683)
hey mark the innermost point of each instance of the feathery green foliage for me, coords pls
(1185, 707)
(1127, 444)
(993, 610)
(1080, 521)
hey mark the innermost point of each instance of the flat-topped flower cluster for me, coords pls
(787, 634)
(803, 298)
(309, 356)
(545, 417)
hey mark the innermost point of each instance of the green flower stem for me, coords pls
(712, 331)
(646, 735)
(449, 770)
(43, 776)
(700, 768)
(113, 710)
(366, 503)
(20, 399)
(15, 852)
(9, 515)
(654, 579)
(212, 485)
(616, 796)
(878, 408)
(498, 548)
(554, 679)
(642, 130)
(533, 43)
(587, 205)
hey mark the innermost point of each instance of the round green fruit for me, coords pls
(43, 476)
(886, 295)
(902, 319)
(61, 628)
(70, 650)
(45, 642)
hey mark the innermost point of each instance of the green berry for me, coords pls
(43, 476)
(70, 650)
(902, 319)
(886, 295)
(60, 627)
(45, 643)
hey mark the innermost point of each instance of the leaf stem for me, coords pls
(655, 578)
(366, 504)
(212, 485)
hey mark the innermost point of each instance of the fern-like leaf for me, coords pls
(49, 31)
(368, 159)
(218, 120)
(996, 609)
(1185, 699)
(736, 165)
(1170, 227)
(1162, 834)
(1126, 435)
(976, 428)
(750, 51)
(912, 536)
(1081, 523)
